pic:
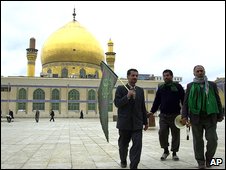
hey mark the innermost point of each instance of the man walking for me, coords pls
(37, 115)
(169, 97)
(132, 116)
(52, 115)
(203, 106)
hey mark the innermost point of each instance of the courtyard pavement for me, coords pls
(80, 144)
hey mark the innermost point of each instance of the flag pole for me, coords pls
(123, 84)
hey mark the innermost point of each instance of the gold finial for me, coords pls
(110, 41)
(74, 14)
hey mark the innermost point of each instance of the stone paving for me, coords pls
(80, 144)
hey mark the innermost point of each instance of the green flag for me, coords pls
(109, 78)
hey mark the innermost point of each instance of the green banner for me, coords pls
(108, 81)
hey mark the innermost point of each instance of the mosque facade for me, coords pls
(69, 79)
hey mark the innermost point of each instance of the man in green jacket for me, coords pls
(203, 107)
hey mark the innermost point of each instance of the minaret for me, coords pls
(31, 58)
(110, 55)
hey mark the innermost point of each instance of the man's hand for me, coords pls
(150, 114)
(130, 94)
(219, 119)
(184, 121)
(145, 127)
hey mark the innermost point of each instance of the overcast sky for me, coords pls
(149, 36)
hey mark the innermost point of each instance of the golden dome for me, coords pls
(72, 44)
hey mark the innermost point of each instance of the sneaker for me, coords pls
(123, 164)
(175, 158)
(164, 156)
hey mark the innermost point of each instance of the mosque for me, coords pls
(69, 79)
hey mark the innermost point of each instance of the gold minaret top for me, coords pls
(110, 55)
(31, 58)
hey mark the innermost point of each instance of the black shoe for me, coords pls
(201, 166)
(175, 158)
(208, 164)
(164, 156)
(123, 164)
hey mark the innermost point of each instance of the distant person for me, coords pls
(37, 114)
(11, 114)
(202, 105)
(81, 115)
(132, 119)
(52, 115)
(169, 98)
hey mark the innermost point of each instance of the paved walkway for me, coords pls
(81, 144)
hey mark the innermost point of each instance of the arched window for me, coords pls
(49, 71)
(64, 73)
(82, 73)
(55, 99)
(73, 96)
(22, 96)
(39, 100)
(92, 100)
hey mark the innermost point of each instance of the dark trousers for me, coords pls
(209, 127)
(52, 118)
(166, 122)
(37, 118)
(135, 151)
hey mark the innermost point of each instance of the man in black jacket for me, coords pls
(203, 106)
(132, 117)
(169, 97)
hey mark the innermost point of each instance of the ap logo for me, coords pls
(216, 161)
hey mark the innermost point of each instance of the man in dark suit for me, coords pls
(203, 107)
(132, 118)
